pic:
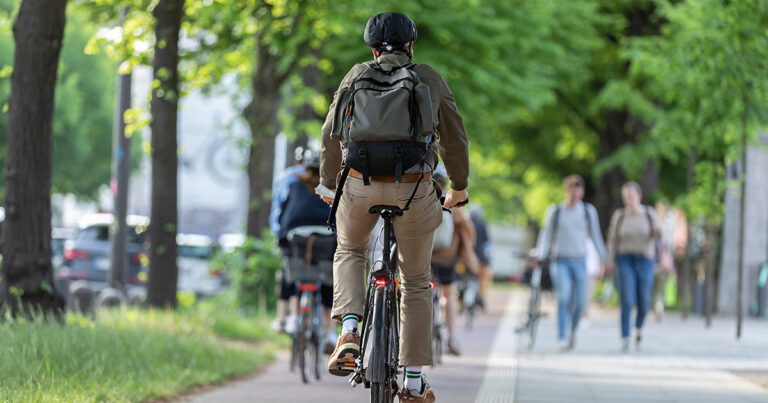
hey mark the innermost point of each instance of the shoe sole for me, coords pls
(344, 363)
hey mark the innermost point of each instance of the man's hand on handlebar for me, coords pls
(456, 198)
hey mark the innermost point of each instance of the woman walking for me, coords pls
(632, 237)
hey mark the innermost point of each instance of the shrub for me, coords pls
(251, 270)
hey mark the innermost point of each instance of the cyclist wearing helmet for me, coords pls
(296, 205)
(390, 37)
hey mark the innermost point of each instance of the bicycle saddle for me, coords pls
(384, 209)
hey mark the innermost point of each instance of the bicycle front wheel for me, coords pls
(534, 314)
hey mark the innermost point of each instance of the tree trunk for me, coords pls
(27, 274)
(163, 272)
(607, 196)
(261, 114)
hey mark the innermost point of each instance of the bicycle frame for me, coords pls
(383, 280)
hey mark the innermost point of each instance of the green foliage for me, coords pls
(708, 72)
(251, 269)
(123, 356)
(82, 124)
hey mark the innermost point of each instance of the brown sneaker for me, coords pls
(342, 361)
(410, 395)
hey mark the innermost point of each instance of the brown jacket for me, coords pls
(452, 144)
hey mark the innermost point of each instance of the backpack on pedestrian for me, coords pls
(444, 233)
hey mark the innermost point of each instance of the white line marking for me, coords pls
(501, 368)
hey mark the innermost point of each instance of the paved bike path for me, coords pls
(458, 379)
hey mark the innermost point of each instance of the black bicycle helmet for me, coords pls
(393, 29)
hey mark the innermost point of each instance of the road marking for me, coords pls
(501, 368)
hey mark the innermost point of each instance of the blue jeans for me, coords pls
(571, 289)
(635, 286)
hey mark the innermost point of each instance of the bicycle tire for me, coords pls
(319, 348)
(294, 353)
(381, 392)
(377, 371)
(304, 350)
(470, 301)
(437, 350)
(533, 316)
(377, 364)
(437, 346)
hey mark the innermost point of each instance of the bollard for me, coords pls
(137, 297)
(81, 298)
(110, 298)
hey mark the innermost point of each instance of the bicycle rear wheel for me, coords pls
(319, 346)
(294, 353)
(437, 335)
(305, 348)
(470, 302)
(381, 389)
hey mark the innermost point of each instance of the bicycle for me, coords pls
(381, 321)
(469, 292)
(437, 325)
(534, 306)
(307, 345)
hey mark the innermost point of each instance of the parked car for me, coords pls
(195, 253)
(59, 238)
(86, 257)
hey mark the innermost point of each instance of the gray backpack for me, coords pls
(384, 122)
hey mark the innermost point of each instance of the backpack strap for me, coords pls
(553, 232)
(617, 236)
(339, 193)
(650, 219)
(589, 221)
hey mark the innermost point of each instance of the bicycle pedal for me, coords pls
(355, 379)
(346, 366)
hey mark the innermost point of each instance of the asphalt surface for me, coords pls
(457, 379)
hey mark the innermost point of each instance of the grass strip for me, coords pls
(127, 355)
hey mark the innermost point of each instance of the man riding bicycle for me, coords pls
(391, 37)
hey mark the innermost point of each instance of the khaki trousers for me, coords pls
(413, 231)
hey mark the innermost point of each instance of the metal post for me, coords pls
(742, 222)
(121, 169)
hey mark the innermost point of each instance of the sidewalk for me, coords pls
(681, 361)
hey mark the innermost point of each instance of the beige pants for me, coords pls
(413, 231)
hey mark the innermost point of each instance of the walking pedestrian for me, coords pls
(632, 237)
(562, 242)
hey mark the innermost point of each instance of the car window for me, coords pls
(101, 233)
(94, 233)
(200, 252)
(57, 246)
(137, 234)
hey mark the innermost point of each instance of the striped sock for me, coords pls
(349, 322)
(413, 378)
